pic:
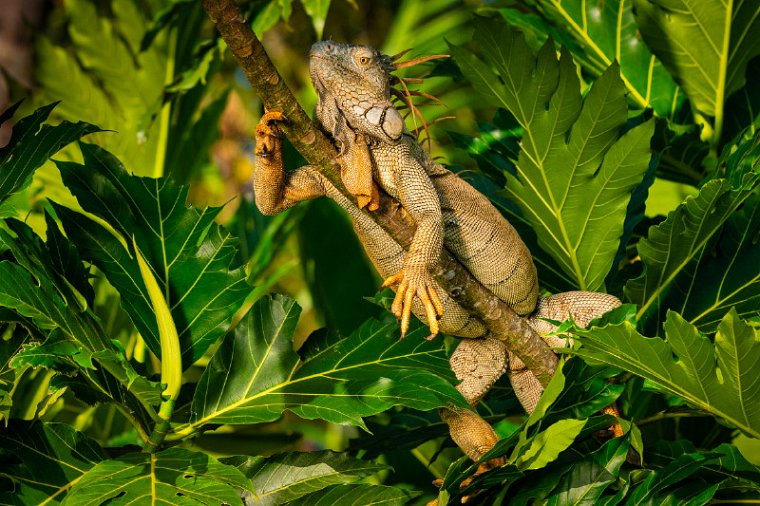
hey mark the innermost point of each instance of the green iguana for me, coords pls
(377, 152)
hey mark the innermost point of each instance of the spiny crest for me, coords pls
(405, 95)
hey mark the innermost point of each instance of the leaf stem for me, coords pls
(162, 427)
(664, 415)
(163, 139)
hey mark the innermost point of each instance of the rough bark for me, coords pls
(502, 322)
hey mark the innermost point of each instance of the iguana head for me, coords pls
(353, 84)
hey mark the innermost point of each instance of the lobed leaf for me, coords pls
(718, 377)
(124, 85)
(575, 173)
(606, 32)
(255, 376)
(705, 44)
(175, 476)
(703, 258)
(188, 253)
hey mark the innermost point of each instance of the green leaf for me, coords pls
(590, 477)
(38, 301)
(726, 465)
(267, 18)
(700, 260)
(719, 378)
(286, 477)
(726, 277)
(606, 32)
(174, 476)
(43, 461)
(317, 11)
(548, 444)
(575, 174)
(350, 495)
(189, 254)
(254, 376)
(124, 86)
(650, 491)
(705, 44)
(31, 144)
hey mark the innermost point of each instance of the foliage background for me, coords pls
(152, 76)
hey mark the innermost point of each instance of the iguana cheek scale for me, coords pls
(377, 152)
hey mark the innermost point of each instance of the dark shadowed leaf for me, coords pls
(590, 477)
(31, 144)
(354, 494)
(174, 476)
(43, 461)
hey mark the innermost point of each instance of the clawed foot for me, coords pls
(268, 135)
(409, 286)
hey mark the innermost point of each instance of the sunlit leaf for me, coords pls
(718, 377)
(189, 254)
(75, 337)
(575, 172)
(705, 44)
(255, 375)
(548, 444)
(317, 11)
(605, 32)
(174, 476)
(108, 82)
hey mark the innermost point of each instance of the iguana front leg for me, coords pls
(404, 177)
(273, 188)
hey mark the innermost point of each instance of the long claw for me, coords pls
(426, 295)
(408, 288)
(397, 308)
(436, 302)
(272, 117)
(267, 133)
(406, 311)
(392, 280)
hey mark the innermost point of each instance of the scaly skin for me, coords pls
(377, 151)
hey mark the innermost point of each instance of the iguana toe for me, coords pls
(423, 288)
(268, 134)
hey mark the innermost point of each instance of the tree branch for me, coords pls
(502, 322)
